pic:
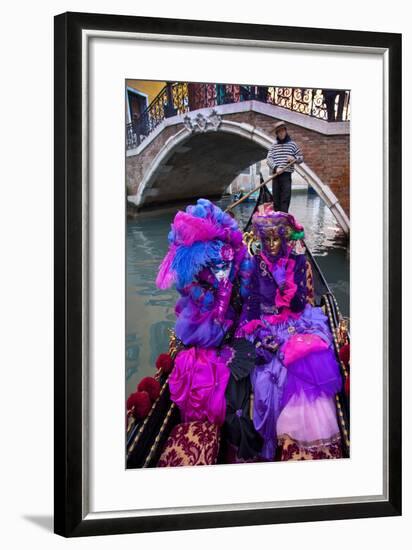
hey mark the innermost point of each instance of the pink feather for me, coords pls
(189, 229)
(166, 276)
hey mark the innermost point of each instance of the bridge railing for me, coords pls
(182, 97)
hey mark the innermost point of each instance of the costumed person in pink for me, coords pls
(203, 261)
(297, 375)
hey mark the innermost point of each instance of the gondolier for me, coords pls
(283, 151)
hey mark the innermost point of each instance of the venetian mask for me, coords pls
(221, 270)
(271, 244)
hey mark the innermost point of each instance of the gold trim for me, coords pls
(336, 438)
(157, 440)
(174, 345)
(251, 405)
(335, 339)
(341, 418)
(140, 431)
(251, 241)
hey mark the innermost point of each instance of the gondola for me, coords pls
(251, 198)
(145, 438)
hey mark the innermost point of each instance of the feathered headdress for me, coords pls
(278, 224)
(201, 235)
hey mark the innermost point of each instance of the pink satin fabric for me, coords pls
(248, 328)
(282, 317)
(198, 383)
(300, 345)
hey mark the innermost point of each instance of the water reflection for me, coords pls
(150, 312)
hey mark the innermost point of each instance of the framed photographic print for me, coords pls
(227, 274)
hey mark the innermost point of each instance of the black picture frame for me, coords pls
(69, 519)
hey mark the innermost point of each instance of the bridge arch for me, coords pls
(258, 143)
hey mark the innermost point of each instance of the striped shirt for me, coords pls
(279, 152)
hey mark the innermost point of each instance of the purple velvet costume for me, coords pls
(294, 345)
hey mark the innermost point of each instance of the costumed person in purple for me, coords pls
(210, 380)
(297, 375)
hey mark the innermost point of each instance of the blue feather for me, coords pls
(189, 260)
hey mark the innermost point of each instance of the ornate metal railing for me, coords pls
(182, 97)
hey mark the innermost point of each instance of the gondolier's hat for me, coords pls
(280, 125)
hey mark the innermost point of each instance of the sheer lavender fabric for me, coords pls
(308, 422)
(315, 375)
(313, 372)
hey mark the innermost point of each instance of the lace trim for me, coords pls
(336, 438)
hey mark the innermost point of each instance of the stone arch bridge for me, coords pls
(199, 153)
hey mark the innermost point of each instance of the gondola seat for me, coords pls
(191, 444)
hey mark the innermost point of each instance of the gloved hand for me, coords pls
(223, 294)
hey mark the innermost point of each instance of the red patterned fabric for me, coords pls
(191, 444)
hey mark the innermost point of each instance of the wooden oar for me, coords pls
(273, 176)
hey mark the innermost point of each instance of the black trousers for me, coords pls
(282, 191)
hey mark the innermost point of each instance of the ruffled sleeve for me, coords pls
(198, 322)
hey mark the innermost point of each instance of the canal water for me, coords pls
(150, 311)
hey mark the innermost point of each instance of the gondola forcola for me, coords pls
(259, 344)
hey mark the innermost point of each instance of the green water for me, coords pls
(150, 312)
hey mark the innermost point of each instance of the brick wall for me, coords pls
(327, 156)
(137, 165)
